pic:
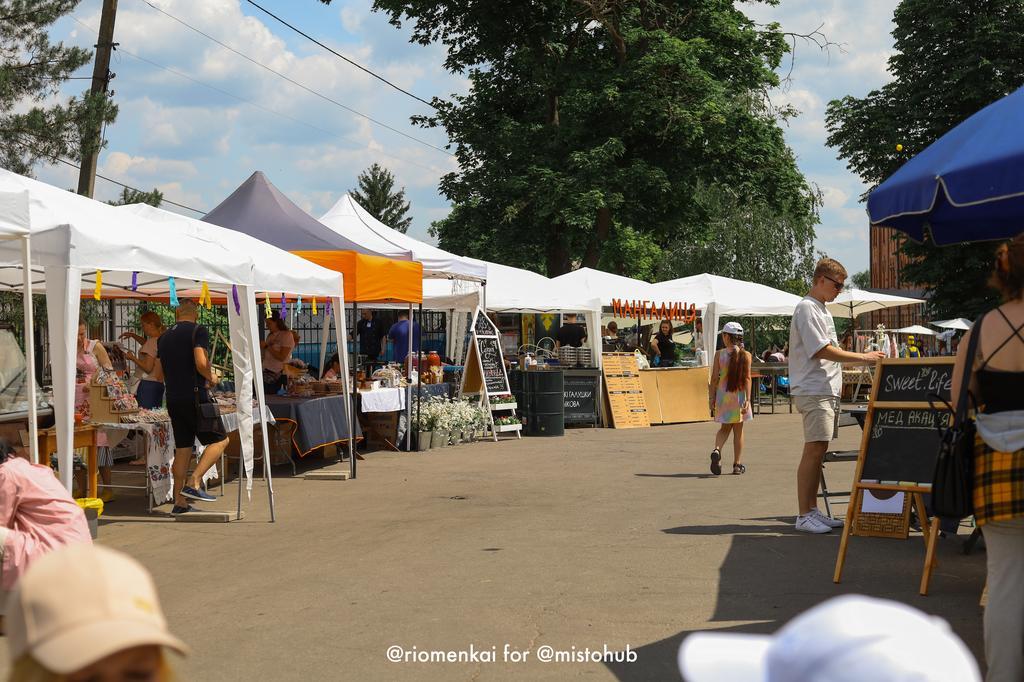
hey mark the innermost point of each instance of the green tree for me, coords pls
(748, 240)
(377, 195)
(950, 60)
(137, 196)
(862, 279)
(591, 124)
(34, 123)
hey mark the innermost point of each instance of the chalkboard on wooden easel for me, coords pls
(900, 444)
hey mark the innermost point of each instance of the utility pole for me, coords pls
(100, 81)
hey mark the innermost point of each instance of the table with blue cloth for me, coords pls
(316, 422)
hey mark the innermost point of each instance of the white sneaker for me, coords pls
(828, 521)
(809, 523)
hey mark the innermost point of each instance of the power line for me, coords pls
(103, 177)
(121, 50)
(168, 69)
(295, 82)
(305, 35)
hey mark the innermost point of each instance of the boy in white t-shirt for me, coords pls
(816, 381)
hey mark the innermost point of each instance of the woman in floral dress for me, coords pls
(729, 393)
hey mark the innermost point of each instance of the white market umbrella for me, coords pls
(853, 302)
(956, 323)
(916, 330)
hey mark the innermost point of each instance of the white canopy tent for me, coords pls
(274, 270)
(915, 329)
(354, 223)
(14, 228)
(514, 290)
(76, 240)
(956, 324)
(853, 302)
(720, 297)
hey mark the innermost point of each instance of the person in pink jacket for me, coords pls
(37, 515)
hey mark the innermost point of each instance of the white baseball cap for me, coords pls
(734, 328)
(82, 603)
(846, 639)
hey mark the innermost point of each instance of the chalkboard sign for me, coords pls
(902, 444)
(911, 381)
(495, 380)
(580, 398)
(482, 326)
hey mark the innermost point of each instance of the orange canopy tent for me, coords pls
(260, 210)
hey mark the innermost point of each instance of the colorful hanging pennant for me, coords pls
(284, 306)
(98, 294)
(204, 296)
(298, 305)
(135, 281)
(314, 305)
(327, 310)
(266, 305)
(173, 290)
(234, 297)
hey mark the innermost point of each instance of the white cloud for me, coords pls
(833, 197)
(121, 165)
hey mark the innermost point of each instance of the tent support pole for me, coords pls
(419, 391)
(30, 352)
(408, 397)
(352, 454)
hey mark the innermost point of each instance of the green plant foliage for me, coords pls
(35, 121)
(950, 60)
(376, 193)
(592, 127)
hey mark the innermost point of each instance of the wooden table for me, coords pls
(85, 437)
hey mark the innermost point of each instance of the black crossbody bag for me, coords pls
(953, 482)
(207, 413)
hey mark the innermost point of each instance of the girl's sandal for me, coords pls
(738, 469)
(716, 462)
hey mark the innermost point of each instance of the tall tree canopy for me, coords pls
(137, 196)
(950, 60)
(591, 126)
(35, 122)
(376, 193)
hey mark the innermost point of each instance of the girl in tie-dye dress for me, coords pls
(730, 393)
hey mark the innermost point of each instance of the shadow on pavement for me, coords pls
(771, 574)
(709, 475)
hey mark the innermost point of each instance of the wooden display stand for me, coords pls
(101, 406)
(624, 391)
(676, 395)
(85, 437)
(898, 452)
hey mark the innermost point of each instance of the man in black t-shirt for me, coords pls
(371, 334)
(570, 333)
(183, 364)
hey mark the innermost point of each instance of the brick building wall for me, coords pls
(886, 260)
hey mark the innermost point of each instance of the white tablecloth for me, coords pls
(383, 400)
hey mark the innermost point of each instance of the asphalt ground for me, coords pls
(601, 538)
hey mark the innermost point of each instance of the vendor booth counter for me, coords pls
(676, 394)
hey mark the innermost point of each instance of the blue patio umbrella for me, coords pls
(966, 186)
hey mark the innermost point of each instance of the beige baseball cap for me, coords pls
(82, 603)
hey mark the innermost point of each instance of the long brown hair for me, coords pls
(739, 370)
(1008, 276)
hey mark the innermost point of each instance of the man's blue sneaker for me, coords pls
(178, 510)
(193, 494)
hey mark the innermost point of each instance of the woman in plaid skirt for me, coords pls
(997, 378)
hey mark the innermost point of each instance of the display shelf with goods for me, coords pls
(503, 403)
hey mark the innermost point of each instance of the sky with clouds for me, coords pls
(197, 119)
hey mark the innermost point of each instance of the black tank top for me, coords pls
(1001, 391)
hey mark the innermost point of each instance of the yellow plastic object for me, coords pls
(91, 503)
